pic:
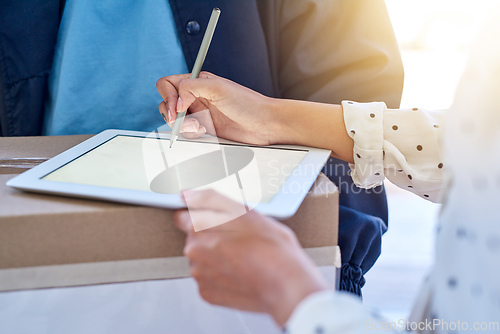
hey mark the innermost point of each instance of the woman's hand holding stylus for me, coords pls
(223, 108)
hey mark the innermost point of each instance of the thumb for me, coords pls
(182, 220)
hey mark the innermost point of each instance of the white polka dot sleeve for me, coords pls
(402, 145)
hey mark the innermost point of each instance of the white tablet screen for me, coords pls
(148, 164)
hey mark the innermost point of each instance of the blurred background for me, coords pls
(434, 37)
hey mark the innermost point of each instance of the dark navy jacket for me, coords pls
(28, 33)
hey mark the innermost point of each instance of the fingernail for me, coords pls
(189, 128)
(169, 114)
(179, 105)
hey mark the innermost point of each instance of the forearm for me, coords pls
(403, 145)
(310, 124)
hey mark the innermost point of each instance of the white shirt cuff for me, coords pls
(329, 312)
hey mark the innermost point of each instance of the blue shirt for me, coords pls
(108, 57)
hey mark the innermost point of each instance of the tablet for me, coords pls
(140, 168)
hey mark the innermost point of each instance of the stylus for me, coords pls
(200, 58)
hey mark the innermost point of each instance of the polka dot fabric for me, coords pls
(466, 276)
(364, 125)
(402, 145)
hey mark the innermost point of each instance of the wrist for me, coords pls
(311, 124)
(283, 121)
(288, 285)
(274, 121)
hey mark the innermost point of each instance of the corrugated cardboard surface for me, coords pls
(17, 154)
(48, 241)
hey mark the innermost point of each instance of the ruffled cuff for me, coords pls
(351, 279)
(364, 124)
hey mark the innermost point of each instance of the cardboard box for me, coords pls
(18, 154)
(51, 241)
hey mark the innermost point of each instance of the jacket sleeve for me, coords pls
(28, 36)
(329, 51)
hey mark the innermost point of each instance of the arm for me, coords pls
(255, 263)
(240, 114)
(402, 145)
(251, 262)
(359, 133)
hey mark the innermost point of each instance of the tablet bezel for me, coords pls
(283, 204)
